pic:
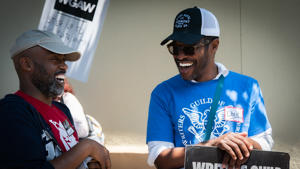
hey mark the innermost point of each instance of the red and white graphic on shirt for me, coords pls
(61, 127)
(55, 120)
(68, 140)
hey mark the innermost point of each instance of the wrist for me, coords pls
(210, 142)
(88, 146)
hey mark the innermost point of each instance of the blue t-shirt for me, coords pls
(179, 109)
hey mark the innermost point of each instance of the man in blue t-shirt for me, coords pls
(180, 107)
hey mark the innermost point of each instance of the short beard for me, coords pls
(43, 81)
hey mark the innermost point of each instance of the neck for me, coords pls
(209, 73)
(32, 91)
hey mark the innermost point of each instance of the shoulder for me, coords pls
(11, 98)
(15, 109)
(12, 103)
(241, 79)
(170, 84)
(240, 76)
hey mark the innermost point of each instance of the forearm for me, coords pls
(170, 158)
(72, 158)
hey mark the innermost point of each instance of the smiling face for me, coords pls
(49, 71)
(195, 65)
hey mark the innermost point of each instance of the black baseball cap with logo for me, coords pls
(192, 24)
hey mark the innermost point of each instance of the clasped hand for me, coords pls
(237, 147)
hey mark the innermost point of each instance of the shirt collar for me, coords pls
(37, 104)
(222, 70)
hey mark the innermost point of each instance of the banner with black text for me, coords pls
(79, 24)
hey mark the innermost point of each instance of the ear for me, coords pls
(214, 46)
(26, 64)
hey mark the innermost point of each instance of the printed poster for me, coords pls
(79, 24)
(200, 157)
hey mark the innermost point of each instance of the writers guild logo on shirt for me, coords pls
(182, 21)
(81, 8)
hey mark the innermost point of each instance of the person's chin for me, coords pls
(186, 76)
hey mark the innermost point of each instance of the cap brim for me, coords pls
(185, 38)
(59, 48)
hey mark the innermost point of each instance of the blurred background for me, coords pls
(259, 38)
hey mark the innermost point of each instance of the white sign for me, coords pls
(79, 24)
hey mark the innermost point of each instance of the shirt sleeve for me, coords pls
(160, 127)
(155, 148)
(21, 142)
(260, 129)
(264, 139)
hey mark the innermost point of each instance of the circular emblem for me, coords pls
(182, 21)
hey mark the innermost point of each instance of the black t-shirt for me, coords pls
(23, 143)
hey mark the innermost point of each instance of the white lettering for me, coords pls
(254, 167)
(80, 5)
(209, 100)
(243, 167)
(204, 101)
(64, 1)
(180, 126)
(89, 7)
(184, 142)
(84, 6)
(209, 166)
(198, 165)
(73, 4)
(221, 103)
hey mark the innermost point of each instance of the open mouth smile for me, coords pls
(60, 78)
(185, 64)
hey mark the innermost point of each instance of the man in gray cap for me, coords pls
(36, 131)
(205, 104)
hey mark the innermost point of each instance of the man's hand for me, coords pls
(93, 164)
(237, 147)
(232, 163)
(85, 148)
(100, 155)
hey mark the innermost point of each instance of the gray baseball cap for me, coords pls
(44, 39)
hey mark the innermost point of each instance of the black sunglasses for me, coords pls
(188, 50)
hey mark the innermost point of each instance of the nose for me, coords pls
(63, 65)
(180, 56)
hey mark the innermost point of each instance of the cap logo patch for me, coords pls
(182, 21)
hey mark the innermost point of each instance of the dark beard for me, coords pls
(43, 81)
